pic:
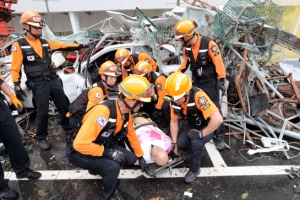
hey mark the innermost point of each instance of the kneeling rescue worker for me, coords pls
(97, 146)
(202, 115)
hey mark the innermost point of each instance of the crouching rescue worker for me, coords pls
(96, 146)
(154, 108)
(12, 140)
(35, 54)
(102, 90)
(203, 118)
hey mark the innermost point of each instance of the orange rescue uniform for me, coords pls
(90, 130)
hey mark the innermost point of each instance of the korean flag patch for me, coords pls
(13, 49)
(102, 121)
(98, 95)
(30, 58)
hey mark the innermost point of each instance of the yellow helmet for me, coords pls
(122, 55)
(177, 85)
(184, 28)
(110, 68)
(145, 57)
(142, 68)
(137, 87)
(32, 18)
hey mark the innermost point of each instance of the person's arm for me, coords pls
(6, 90)
(209, 111)
(133, 138)
(16, 63)
(184, 63)
(216, 57)
(59, 46)
(160, 90)
(95, 95)
(93, 122)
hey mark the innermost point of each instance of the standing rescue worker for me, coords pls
(96, 146)
(206, 64)
(203, 118)
(35, 54)
(12, 140)
(144, 68)
(102, 90)
(129, 60)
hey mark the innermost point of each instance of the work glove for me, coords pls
(156, 116)
(115, 155)
(222, 86)
(17, 103)
(195, 134)
(143, 164)
(20, 93)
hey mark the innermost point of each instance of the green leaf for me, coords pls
(41, 193)
(245, 195)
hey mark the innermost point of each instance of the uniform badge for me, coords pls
(158, 86)
(98, 95)
(30, 58)
(202, 101)
(214, 49)
(13, 49)
(102, 121)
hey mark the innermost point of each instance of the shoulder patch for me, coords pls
(214, 48)
(158, 86)
(202, 101)
(102, 121)
(98, 95)
(13, 49)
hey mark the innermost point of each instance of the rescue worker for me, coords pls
(203, 119)
(206, 64)
(96, 146)
(102, 90)
(129, 60)
(35, 54)
(12, 140)
(144, 68)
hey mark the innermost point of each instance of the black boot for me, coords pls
(8, 194)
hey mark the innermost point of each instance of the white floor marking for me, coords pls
(176, 173)
(214, 155)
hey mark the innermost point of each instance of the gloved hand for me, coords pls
(195, 134)
(115, 155)
(222, 86)
(17, 103)
(20, 93)
(156, 116)
(143, 164)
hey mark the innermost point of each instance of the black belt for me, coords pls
(202, 80)
(43, 78)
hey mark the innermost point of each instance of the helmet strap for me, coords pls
(29, 31)
(121, 96)
(105, 81)
(186, 42)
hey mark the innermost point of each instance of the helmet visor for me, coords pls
(179, 34)
(36, 20)
(115, 69)
(138, 71)
(121, 59)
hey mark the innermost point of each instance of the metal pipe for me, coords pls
(265, 81)
(276, 130)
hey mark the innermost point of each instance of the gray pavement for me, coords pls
(229, 174)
